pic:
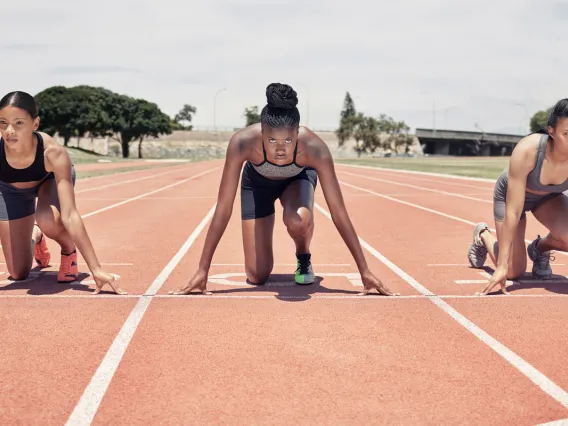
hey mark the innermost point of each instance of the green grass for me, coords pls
(94, 173)
(81, 156)
(483, 167)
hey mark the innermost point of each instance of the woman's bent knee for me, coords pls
(19, 273)
(299, 222)
(256, 276)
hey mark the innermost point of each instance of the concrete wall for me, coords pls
(198, 145)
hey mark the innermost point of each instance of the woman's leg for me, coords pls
(17, 245)
(485, 241)
(553, 214)
(258, 195)
(48, 218)
(298, 202)
(257, 245)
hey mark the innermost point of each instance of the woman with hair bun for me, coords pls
(282, 161)
(535, 180)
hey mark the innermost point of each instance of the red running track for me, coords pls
(282, 353)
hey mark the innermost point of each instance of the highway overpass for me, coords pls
(457, 142)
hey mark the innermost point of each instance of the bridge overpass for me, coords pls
(458, 142)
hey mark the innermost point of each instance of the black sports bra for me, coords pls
(35, 172)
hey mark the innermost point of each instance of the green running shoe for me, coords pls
(304, 273)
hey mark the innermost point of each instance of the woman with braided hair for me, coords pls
(282, 160)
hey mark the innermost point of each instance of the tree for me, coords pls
(539, 120)
(94, 110)
(396, 133)
(347, 120)
(251, 115)
(56, 110)
(185, 115)
(365, 132)
(139, 119)
(348, 107)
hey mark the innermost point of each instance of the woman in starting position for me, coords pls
(283, 160)
(33, 165)
(535, 181)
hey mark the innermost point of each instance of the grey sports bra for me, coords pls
(275, 171)
(533, 178)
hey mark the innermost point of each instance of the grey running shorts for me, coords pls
(16, 203)
(532, 201)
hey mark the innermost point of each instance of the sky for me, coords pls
(440, 63)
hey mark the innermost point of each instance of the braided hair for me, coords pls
(280, 110)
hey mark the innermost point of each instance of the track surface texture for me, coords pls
(282, 353)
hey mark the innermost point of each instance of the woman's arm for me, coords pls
(320, 158)
(58, 162)
(234, 159)
(519, 167)
(521, 163)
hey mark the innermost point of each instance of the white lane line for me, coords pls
(121, 174)
(97, 188)
(417, 206)
(447, 177)
(102, 263)
(88, 404)
(149, 193)
(539, 379)
(161, 198)
(285, 264)
(274, 296)
(422, 188)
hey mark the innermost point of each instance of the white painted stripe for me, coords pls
(415, 172)
(148, 193)
(120, 174)
(422, 188)
(539, 379)
(98, 188)
(102, 264)
(408, 203)
(263, 296)
(161, 198)
(450, 181)
(449, 216)
(88, 404)
(447, 264)
(560, 422)
(470, 281)
(285, 264)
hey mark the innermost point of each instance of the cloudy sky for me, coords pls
(490, 64)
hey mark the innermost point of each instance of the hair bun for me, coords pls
(280, 95)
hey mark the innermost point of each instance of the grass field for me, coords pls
(483, 167)
(82, 157)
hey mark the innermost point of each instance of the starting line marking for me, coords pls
(487, 277)
(214, 296)
(353, 277)
(315, 265)
(34, 275)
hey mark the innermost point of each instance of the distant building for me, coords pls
(466, 143)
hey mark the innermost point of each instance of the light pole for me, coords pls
(215, 108)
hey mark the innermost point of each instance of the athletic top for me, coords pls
(35, 172)
(276, 171)
(533, 178)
